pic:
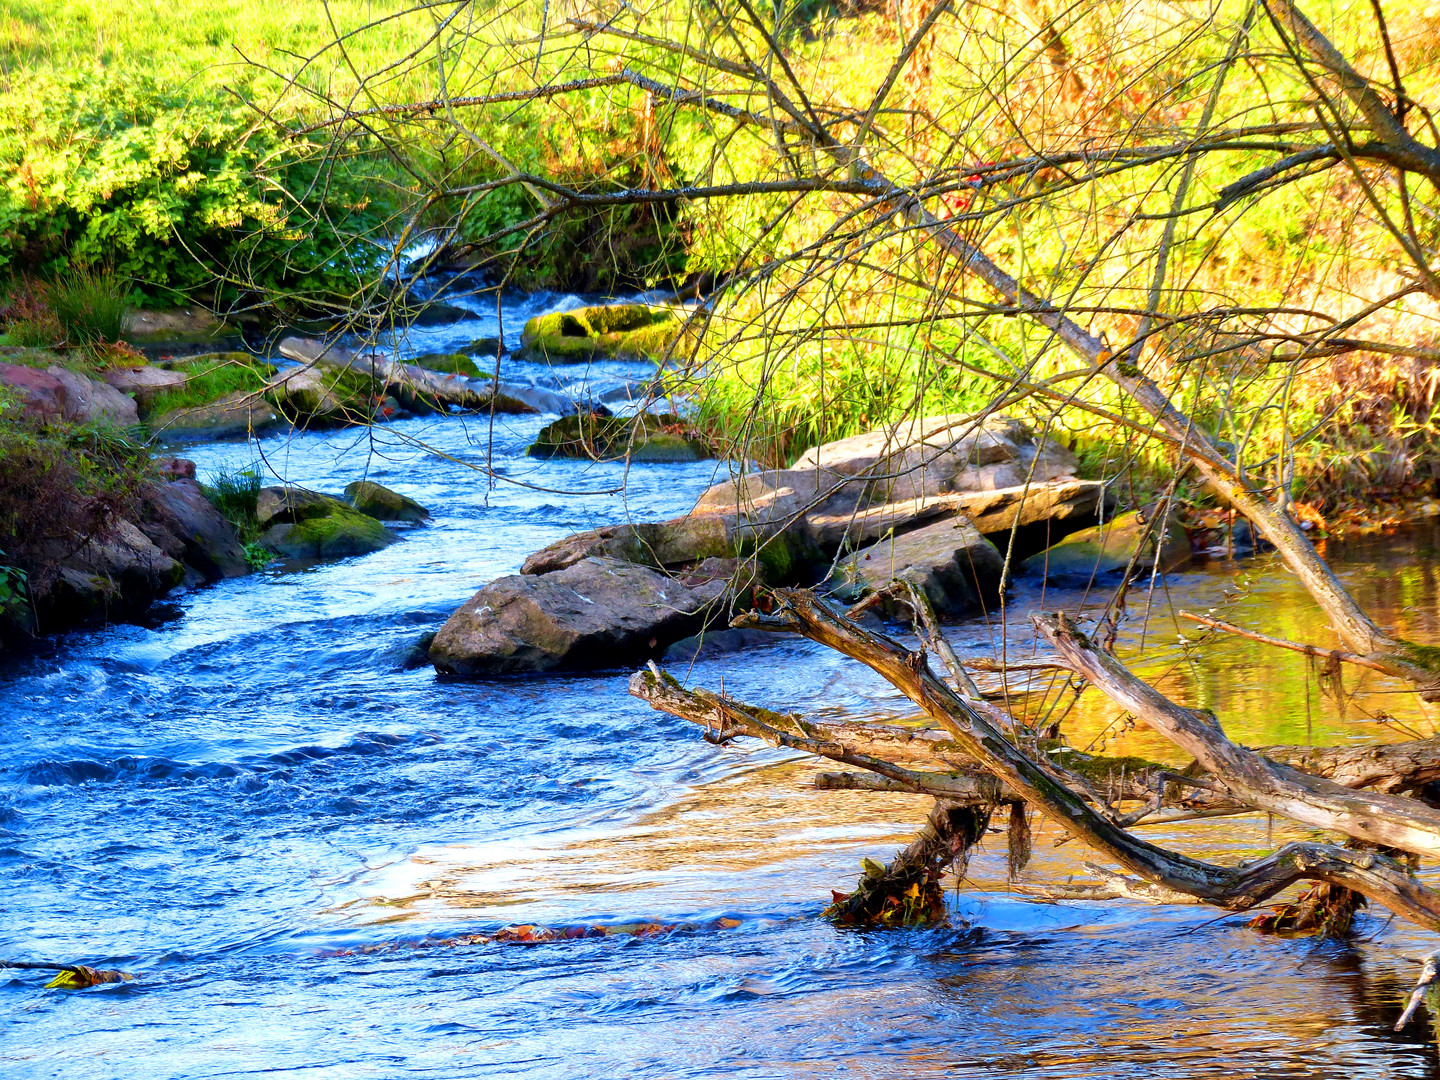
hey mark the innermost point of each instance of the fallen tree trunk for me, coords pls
(1375, 876)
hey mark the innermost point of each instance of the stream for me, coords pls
(267, 805)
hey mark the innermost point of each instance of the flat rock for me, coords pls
(595, 613)
(1109, 548)
(955, 565)
(234, 414)
(143, 382)
(179, 332)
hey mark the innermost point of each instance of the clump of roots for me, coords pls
(1324, 910)
(908, 892)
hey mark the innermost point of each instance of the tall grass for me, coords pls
(90, 306)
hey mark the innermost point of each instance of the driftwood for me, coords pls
(989, 763)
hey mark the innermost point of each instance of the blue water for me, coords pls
(265, 805)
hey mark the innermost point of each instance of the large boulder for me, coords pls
(1106, 550)
(855, 490)
(664, 438)
(381, 503)
(89, 401)
(122, 572)
(606, 332)
(958, 569)
(778, 547)
(302, 524)
(209, 542)
(932, 455)
(41, 394)
(598, 612)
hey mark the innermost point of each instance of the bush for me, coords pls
(61, 487)
(174, 188)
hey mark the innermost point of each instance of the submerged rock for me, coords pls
(643, 438)
(381, 503)
(606, 332)
(1109, 549)
(958, 569)
(596, 613)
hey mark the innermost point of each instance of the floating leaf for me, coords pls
(79, 977)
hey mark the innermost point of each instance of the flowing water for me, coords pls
(264, 804)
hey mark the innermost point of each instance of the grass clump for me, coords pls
(90, 306)
(236, 494)
(210, 378)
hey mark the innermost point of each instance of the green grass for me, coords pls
(236, 493)
(212, 378)
(89, 305)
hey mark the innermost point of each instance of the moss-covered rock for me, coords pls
(381, 503)
(451, 364)
(325, 396)
(607, 332)
(1109, 549)
(647, 438)
(336, 534)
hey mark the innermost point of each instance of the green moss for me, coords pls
(606, 438)
(451, 364)
(619, 331)
(210, 378)
(340, 523)
(1425, 656)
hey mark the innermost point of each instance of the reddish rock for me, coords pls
(42, 394)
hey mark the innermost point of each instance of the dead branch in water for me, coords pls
(1025, 775)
